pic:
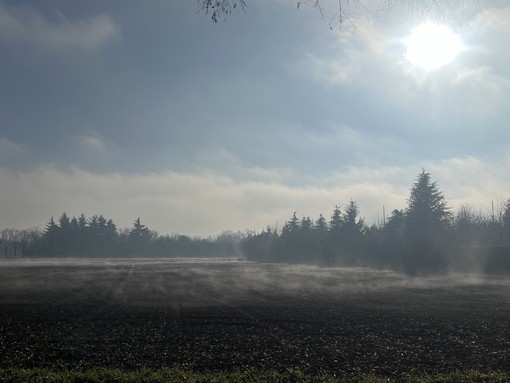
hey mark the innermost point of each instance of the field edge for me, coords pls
(182, 375)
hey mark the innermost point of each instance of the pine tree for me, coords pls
(427, 211)
(335, 225)
(427, 220)
(353, 225)
(64, 235)
(139, 230)
(50, 237)
(321, 228)
(291, 228)
(138, 238)
(352, 233)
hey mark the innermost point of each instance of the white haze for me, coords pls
(198, 282)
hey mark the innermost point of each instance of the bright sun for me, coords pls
(431, 46)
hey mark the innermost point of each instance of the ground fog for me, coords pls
(228, 314)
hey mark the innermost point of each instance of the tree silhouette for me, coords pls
(5, 241)
(51, 238)
(260, 247)
(336, 222)
(331, 249)
(392, 239)
(65, 235)
(291, 227)
(394, 228)
(139, 230)
(469, 227)
(427, 210)
(352, 233)
(443, 9)
(288, 246)
(427, 219)
(138, 238)
(506, 223)
(219, 9)
(353, 224)
(321, 228)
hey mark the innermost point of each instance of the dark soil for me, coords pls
(229, 315)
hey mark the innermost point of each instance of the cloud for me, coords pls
(9, 148)
(205, 203)
(23, 24)
(10, 151)
(493, 18)
(92, 142)
(201, 203)
(463, 102)
(473, 181)
(219, 159)
(92, 151)
(342, 70)
(358, 145)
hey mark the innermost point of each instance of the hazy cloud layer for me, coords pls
(204, 203)
(27, 25)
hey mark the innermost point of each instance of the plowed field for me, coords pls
(222, 315)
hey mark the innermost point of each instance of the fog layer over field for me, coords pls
(228, 314)
(192, 282)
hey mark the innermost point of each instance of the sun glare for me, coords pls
(431, 46)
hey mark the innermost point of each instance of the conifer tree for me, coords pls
(138, 238)
(50, 236)
(427, 220)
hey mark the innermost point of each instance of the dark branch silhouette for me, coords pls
(445, 10)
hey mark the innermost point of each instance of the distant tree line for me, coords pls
(99, 237)
(426, 237)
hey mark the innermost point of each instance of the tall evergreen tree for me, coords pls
(111, 237)
(288, 247)
(321, 228)
(427, 209)
(331, 250)
(138, 238)
(352, 233)
(65, 235)
(353, 224)
(336, 222)
(427, 220)
(306, 228)
(51, 238)
(291, 228)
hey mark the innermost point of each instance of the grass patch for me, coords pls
(178, 375)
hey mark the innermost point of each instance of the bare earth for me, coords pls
(227, 314)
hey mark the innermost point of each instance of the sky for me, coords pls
(148, 109)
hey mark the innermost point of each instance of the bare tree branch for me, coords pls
(220, 8)
(451, 11)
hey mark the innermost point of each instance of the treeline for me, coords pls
(425, 237)
(100, 237)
